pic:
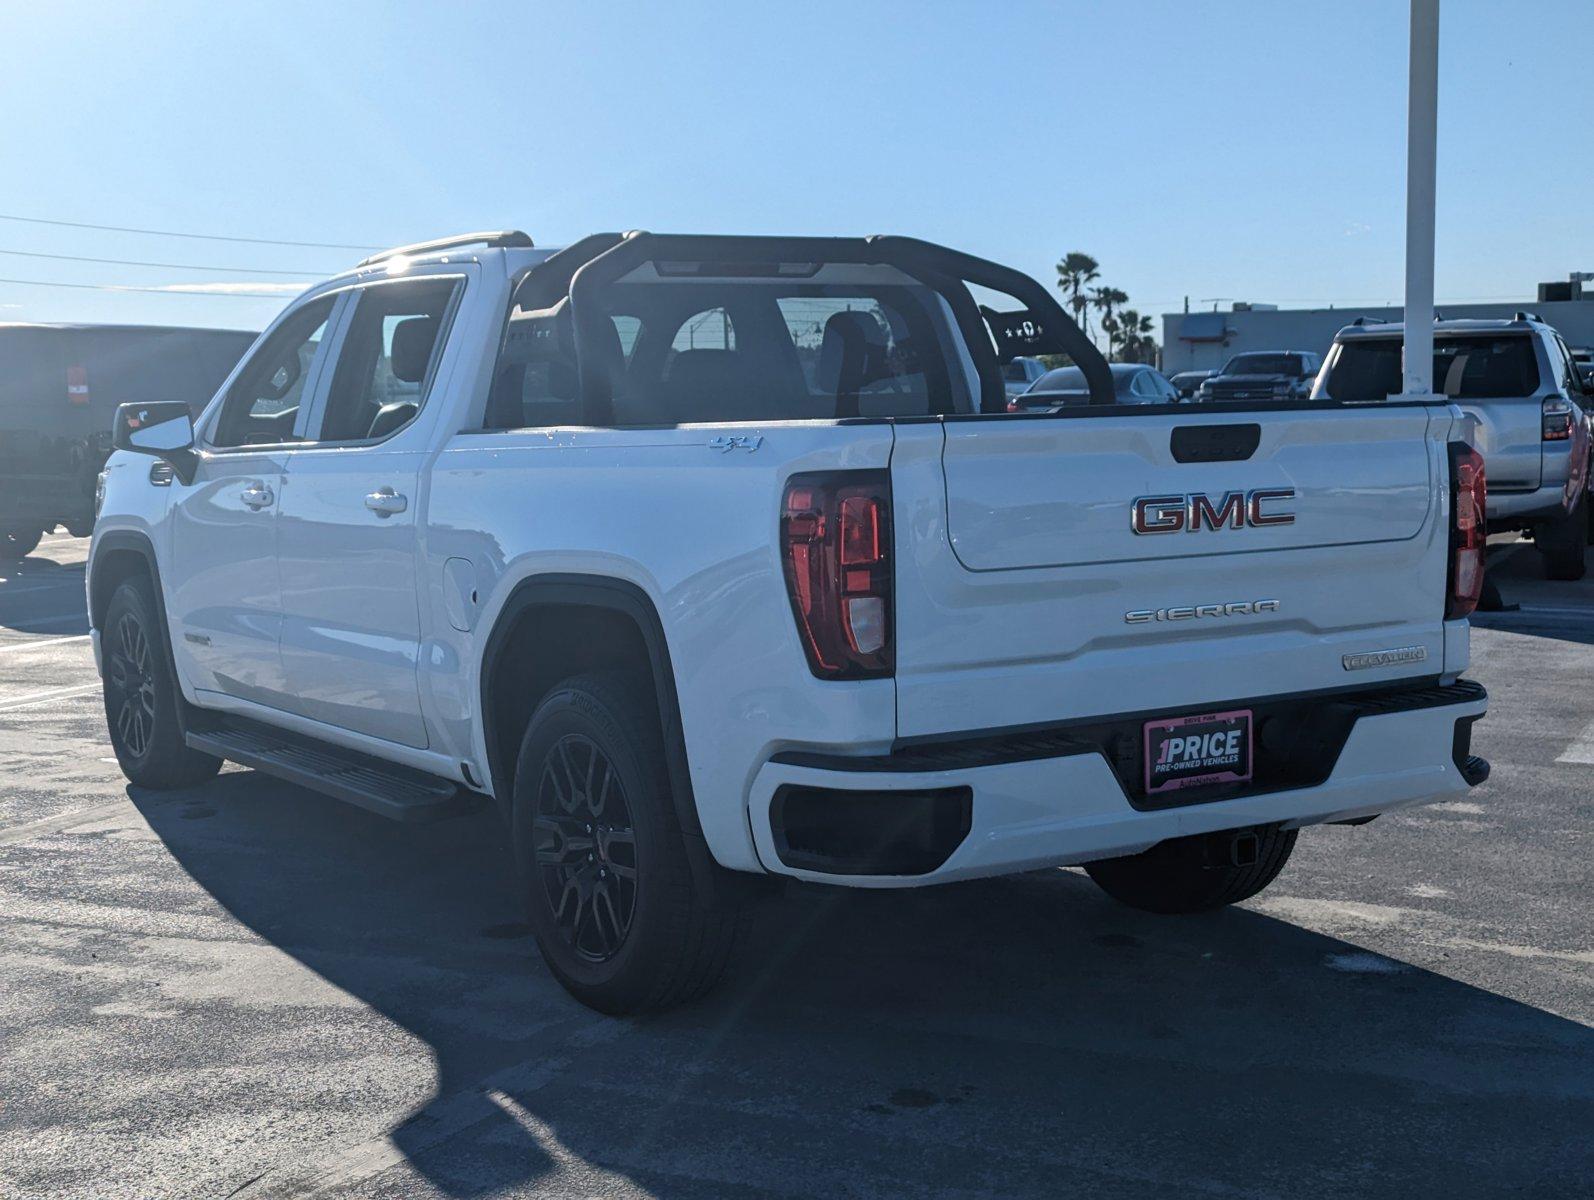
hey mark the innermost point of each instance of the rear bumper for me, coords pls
(1072, 808)
(1544, 502)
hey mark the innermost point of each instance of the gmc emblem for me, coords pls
(1170, 514)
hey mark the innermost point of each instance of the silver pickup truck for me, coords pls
(1518, 381)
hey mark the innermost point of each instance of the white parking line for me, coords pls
(58, 824)
(1582, 750)
(11, 647)
(25, 701)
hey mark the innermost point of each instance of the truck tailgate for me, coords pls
(1025, 596)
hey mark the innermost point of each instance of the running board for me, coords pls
(397, 793)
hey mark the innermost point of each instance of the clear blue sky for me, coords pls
(1242, 150)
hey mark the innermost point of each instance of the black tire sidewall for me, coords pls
(1563, 542)
(1172, 878)
(167, 761)
(17, 544)
(588, 707)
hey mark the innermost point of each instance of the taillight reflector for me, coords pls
(1469, 530)
(1557, 418)
(835, 533)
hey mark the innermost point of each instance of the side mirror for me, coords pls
(162, 428)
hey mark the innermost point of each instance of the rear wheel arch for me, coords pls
(556, 625)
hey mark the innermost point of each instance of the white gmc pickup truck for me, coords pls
(709, 559)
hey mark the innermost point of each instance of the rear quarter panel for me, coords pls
(696, 529)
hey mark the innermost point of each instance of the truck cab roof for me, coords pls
(512, 247)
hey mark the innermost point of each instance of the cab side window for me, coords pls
(387, 357)
(263, 403)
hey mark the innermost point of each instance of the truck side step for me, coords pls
(395, 792)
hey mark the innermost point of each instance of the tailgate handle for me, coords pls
(1215, 443)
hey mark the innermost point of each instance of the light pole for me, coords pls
(1422, 126)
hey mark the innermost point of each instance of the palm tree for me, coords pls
(1132, 334)
(1074, 274)
(1107, 299)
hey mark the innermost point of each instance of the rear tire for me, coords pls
(1179, 876)
(141, 695)
(602, 862)
(17, 544)
(1563, 542)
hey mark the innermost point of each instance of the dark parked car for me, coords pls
(60, 385)
(1133, 383)
(1186, 382)
(1263, 375)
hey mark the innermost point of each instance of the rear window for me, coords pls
(1264, 364)
(749, 351)
(893, 380)
(744, 350)
(1063, 379)
(1477, 367)
(1071, 380)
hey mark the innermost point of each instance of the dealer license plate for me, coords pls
(1199, 751)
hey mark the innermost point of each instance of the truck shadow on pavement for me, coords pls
(1534, 605)
(1012, 1037)
(40, 595)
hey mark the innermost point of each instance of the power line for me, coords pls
(175, 290)
(133, 262)
(205, 237)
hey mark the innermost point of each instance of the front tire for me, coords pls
(1186, 875)
(602, 861)
(1562, 543)
(141, 695)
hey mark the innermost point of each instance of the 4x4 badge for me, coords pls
(748, 442)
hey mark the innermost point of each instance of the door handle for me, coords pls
(384, 502)
(257, 496)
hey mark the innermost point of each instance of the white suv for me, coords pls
(1519, 384)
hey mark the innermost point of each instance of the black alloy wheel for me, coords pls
(130, 680)
(586, 848)
(612, 893)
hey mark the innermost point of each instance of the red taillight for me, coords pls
(835, 533)
(77, 385)
(1557, 419)
(1469, 530)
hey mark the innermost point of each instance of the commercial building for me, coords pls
(1194, 341)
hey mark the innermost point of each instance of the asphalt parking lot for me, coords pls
(248, 990)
